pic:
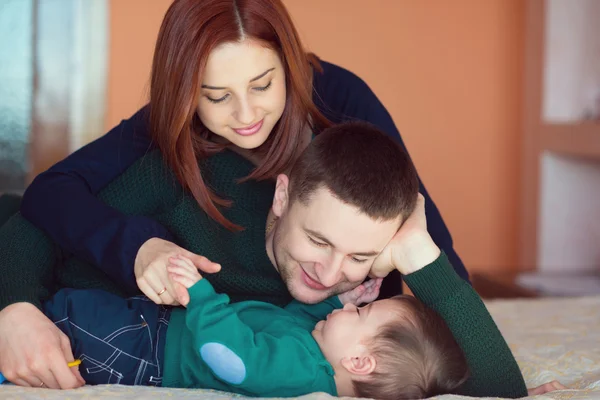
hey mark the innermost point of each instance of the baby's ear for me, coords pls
(362, 365)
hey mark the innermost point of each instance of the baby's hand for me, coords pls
(365, 293)
(183, 271)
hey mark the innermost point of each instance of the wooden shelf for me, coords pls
(576, 139)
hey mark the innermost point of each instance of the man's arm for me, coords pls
(493, 368)
(27, 259)
(429, 274)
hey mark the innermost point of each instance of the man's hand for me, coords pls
(184, 273)
(33, 351)
(411, 249)
(545, 388)
(364, 293)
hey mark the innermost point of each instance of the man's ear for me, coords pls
(281, 196)
(362, 365)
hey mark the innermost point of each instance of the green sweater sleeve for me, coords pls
(493, 370)
(27, 259)
(314, 313)
(273, 361)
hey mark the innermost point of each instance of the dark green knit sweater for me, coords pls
(148, 188)
(32, 268)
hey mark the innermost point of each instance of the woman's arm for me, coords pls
(63, 201)
(343, 96)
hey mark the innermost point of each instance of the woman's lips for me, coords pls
(250, 130)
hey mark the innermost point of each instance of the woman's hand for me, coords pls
(33, 351)
(364, 293)
(411, 249)
(151, 270)
(183, 272)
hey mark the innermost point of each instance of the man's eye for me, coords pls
(318, 244)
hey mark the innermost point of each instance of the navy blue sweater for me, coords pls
(63, 200)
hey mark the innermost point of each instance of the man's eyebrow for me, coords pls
(322, 238)
(251, 80)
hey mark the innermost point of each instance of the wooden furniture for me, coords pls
(560, 197)
(500, 287)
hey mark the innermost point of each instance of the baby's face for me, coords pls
(348, 330)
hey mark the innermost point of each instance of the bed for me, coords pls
(552, 338)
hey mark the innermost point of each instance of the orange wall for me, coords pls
(448, 72)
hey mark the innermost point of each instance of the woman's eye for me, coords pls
(359, 260)
(216, 101)
(263, 88)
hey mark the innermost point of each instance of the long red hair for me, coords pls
(190, 30)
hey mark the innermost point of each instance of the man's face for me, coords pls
(324, 247)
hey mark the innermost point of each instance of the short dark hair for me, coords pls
(417, 357)
(361, 166)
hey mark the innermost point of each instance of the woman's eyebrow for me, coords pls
(251, 80)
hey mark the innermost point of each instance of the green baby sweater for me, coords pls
(251, 348)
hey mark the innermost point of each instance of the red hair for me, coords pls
(190, 30)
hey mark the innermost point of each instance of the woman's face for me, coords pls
(243, 93)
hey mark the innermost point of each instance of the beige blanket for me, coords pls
(551, 339)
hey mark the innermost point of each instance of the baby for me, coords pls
(389, 349)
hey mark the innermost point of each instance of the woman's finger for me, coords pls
(149, 291)
(162, 286)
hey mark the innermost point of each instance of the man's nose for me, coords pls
(331, 272)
